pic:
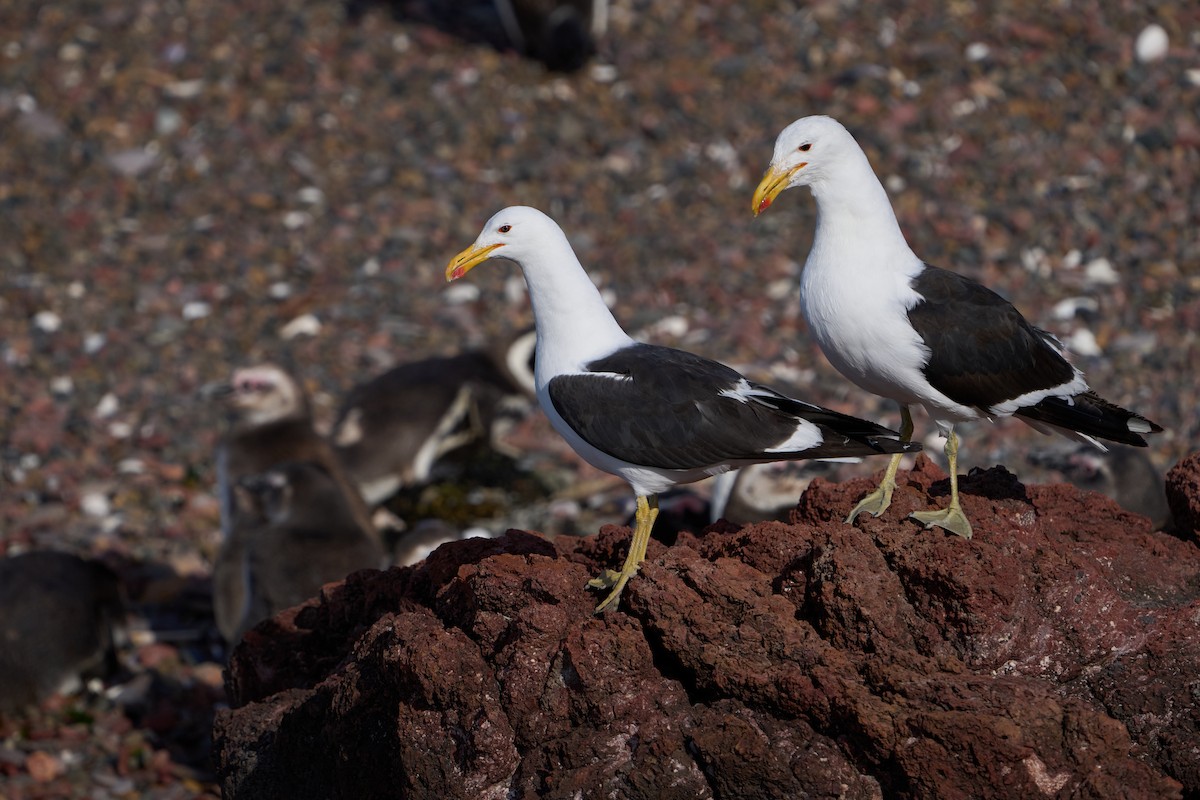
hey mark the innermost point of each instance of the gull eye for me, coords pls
(505, 228)
(804, 148)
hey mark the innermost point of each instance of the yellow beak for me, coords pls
(773, 182)
(468, 259)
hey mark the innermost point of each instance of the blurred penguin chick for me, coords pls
(414, 546)
(61, 619)
(1126, 474)
(271, 423)
(392, 430)
(295, 532)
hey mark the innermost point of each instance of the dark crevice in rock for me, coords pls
(672, 669)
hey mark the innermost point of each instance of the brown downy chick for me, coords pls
(271, 423)
(295, 534)
(61, 617)
(391, 430)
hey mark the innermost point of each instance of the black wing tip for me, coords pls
(1092, 415)
(843, 424)
(1134, 419)
(894, 446)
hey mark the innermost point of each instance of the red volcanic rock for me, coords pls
(1054, 655)
(1183, 496)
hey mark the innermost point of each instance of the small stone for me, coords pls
(131, 466)
(293, 220)
(133, 162)
(62, 385)
(47, 321)
(1034, 260)
(457, 294)
(1083, 342)
(303, 325)
(71, 51)
(174, 53)
(514, 289)
(1152, 44)
(95, 504)
(167, 121)
(1100, 272)
(197, 309)
(977, 51)
(117, 786)
(43, 767)
(209, 674)
(184, 90)
(311, 195)
(603, 73)
(674, 326)
(108, 405)
(780, 288)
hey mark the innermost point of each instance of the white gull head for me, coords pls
(810, 152)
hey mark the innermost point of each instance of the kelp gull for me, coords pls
(921, 335)
(654, 416)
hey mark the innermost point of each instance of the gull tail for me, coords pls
(1089, 415)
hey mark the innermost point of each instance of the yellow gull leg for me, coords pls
(878, 501)
(647, 512)
(951, 517)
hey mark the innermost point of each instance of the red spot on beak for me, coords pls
(764, 205)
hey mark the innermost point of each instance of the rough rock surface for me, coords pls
(1054, 655)
(1183, 495)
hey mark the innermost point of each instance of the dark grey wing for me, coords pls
(982, 351)
(659, 407)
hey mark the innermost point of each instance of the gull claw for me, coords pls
(621, 578)
(951, 518)
(605, 580)
(874, 504)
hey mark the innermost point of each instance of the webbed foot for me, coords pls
(875, 503)
(951, 518)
